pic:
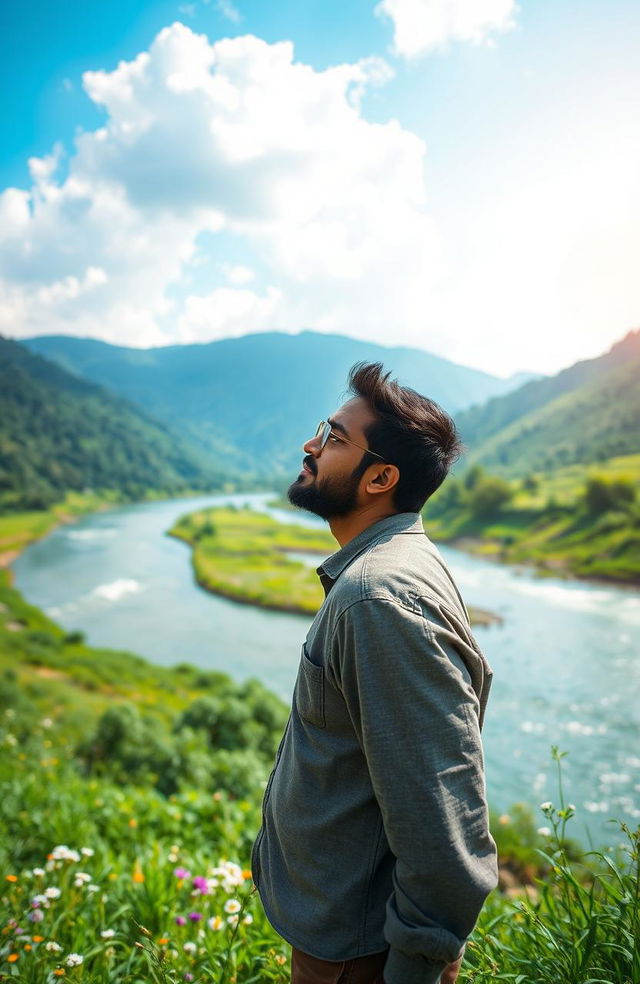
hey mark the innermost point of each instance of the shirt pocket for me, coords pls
(310, 691)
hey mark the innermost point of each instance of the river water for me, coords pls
(565, 660)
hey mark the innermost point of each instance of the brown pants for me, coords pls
(361, 970)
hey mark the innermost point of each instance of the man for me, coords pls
(374, 857)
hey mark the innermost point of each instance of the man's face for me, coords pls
(330, 478)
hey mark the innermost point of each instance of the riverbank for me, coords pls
(242, 555)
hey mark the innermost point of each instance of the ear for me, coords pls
(385, 479)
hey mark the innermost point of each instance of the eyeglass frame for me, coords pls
(329, 431)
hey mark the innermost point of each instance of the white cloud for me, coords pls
(239, 139)
(423, 25)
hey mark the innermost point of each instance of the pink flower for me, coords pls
(181, 873)
(181, 921)
(200, 883)
(195, 916)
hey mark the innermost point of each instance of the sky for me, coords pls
(461, 176)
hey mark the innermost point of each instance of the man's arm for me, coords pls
(416, 717)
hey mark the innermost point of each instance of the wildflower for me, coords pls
(88, 852)
(59, 971)
(188, 976)
(189, 947)
(38, 872)
(546, 806)
(544, 831)
(181, 921)
(133, 822)
(82, 877)
(504, 819)
(38, 939)
(137, 875)
(280, 959)
(74, 959)
(248, 919)
(63, 853)
(195, 916)
(181, 873)
(246, 873)
(232, 905)
(46, 723)
(13, 957)
(93, 888)
(108, 934)
(52, 946)
(201, 884)
(28, 947)
(215, 923)
(163, 940)
(12, 878)
(40, 900)
(172, 856)
(36, 915)
(232, 920)
(53, 892)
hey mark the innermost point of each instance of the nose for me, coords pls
(312, 446)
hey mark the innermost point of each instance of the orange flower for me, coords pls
(246, 873)
(163, 940)
(37, 939)
(133, 822)
(12, 878)
(13, 957)
(59, 971)
(138, 876)
(28, 946)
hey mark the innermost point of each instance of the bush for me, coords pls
(488, 495)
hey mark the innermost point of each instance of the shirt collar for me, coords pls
(331, 568)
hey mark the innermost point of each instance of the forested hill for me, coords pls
(60, 433)
(586, 414)
(254, 400)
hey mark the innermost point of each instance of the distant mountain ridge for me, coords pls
(586, 413)
(251, 402)
(59, 432)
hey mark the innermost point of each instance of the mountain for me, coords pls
(253, 401)
(585, 414)
(59, 433)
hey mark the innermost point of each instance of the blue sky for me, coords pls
(473, 192)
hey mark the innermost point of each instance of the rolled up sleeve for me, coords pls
(416, 715)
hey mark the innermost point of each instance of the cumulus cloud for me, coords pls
(422, 25)
(235, 139)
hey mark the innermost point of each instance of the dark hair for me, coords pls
(410, 431)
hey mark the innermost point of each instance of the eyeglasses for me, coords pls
(325, 431)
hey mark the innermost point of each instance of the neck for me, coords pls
(346, 528)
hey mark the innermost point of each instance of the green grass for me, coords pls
(241, 555)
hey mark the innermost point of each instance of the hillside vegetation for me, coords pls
(59, 433)
(577, 520)
(586, 414)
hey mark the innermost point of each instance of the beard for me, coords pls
(328, 497)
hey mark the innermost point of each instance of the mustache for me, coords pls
(310, 462)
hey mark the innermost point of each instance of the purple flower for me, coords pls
(36, 915)
(181, 921)
(195, 916)
(200, 883)
(188, 976)
(181, 873)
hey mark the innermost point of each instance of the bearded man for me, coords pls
(374, 857)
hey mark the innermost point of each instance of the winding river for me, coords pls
(565, 660)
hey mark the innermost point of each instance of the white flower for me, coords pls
(248, 919)
(53, 892)
(88, 852)
(82, 876)
(172, 857)
(40, 900)
(232, 920)
(544, 831)
(189, 947)
(571, 806)
(63, 853)
(232, 905)
(74, 960)
(93, 888)
(52, 947)
(38, 872)
(46, 723)
(547, 805)
(108, 934)
(215, 923)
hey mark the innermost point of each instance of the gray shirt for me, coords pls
(375, 826)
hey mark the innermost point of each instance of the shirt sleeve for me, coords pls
(416, 716)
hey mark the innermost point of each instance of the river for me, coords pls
(565, 660)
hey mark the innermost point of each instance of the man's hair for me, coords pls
(410, 431)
